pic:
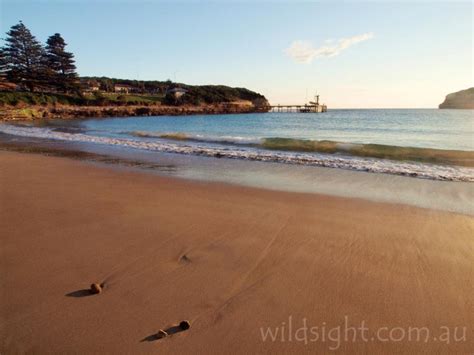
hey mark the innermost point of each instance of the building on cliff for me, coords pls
(124, 88)
(176, 92)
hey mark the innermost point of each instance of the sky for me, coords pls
(355, 54)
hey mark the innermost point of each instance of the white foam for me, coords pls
(427, 171)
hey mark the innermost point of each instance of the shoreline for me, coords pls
(227, 258)
(450, 196)
(371, 158)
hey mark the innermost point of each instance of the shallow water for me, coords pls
(363, 140)
(441, 195)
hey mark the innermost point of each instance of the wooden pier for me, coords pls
(306, 108)
(298, 108)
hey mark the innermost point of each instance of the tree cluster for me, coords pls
(32, 66)
(213, 94)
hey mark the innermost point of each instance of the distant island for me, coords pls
(463, 99)
(40, 81)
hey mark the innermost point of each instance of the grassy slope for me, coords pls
(44, 99)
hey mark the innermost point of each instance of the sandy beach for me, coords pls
(237, 262)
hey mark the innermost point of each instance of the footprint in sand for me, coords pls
(182, 326)
(184, 259)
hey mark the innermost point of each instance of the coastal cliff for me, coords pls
(35, 112)
(463, 99)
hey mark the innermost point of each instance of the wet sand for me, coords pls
(232, 260)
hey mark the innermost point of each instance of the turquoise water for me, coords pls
(426, 128)
(365, 140)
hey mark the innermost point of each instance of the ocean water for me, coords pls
(424, 143)
(426, 128)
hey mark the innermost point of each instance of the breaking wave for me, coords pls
(425, 155)
(178, 136)
(293, 151)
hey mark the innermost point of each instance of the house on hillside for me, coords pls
(176, 92)
(124, 88)
(91, 85)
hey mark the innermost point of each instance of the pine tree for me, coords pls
(3, 65)
(60, 63)
(22, 57)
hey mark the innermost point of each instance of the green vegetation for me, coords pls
(44, 99)
(33, 74)
(60, 72)
(25, 62)
(195, 95)
(211, 94)
(27, 113)
(12, 98)
(156, 91)
(135, 99)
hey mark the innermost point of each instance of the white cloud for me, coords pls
(304, 52)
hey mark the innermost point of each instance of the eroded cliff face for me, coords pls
(463, 99)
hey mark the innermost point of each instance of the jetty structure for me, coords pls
(311, 107)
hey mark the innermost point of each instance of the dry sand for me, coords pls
(229, 259)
